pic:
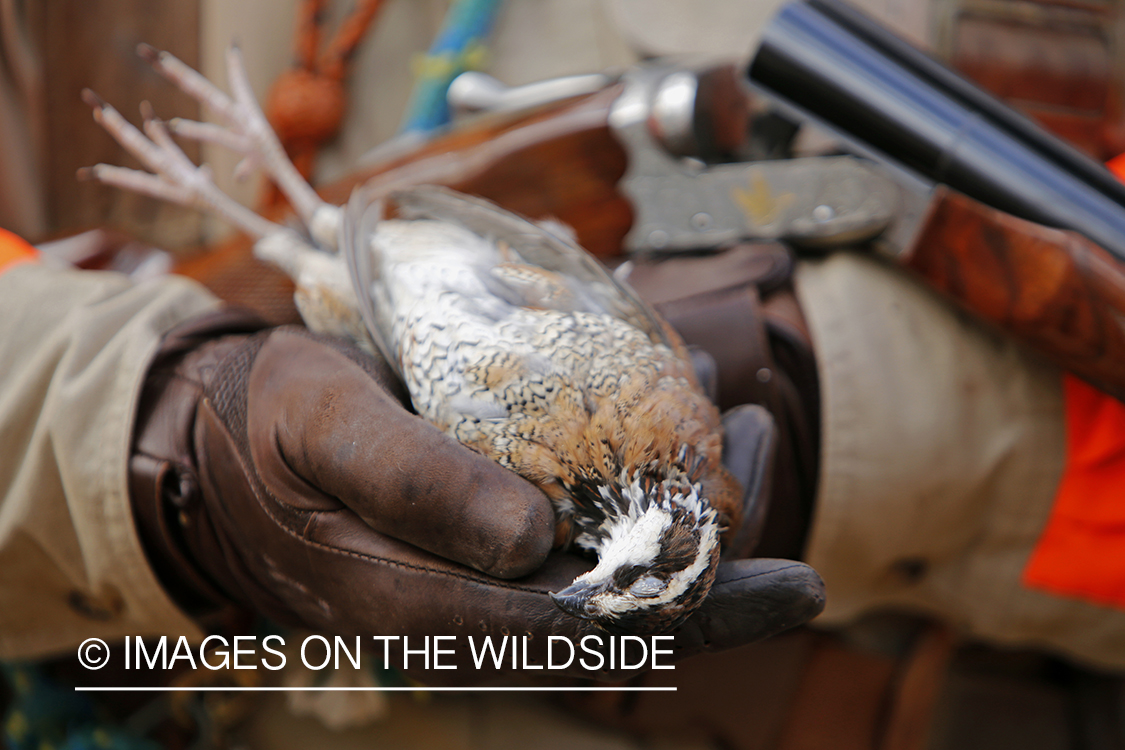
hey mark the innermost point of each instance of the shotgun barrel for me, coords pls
(827, 60)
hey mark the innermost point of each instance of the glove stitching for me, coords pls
(482, 578)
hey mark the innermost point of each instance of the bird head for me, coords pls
(657, 558)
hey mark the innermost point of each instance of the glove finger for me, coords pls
(706, 372)
(749, 445)
(321, 416)
(751, 600)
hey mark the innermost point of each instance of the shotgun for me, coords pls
(987, 208)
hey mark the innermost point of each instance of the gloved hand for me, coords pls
(279, 470)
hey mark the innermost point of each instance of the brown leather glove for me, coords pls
(279, 471)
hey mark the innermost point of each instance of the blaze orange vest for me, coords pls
(1081, 553)
(14, 250)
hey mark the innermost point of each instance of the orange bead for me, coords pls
(303, 107)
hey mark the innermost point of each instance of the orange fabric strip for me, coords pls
(1117, 166)
(1081, 553)
(13, 250)
(1082, 550)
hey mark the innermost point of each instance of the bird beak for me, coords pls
(575, 600)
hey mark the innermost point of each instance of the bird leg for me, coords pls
(172, 176)
(175, 178)
(324, 294)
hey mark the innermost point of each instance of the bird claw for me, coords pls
(171, 174)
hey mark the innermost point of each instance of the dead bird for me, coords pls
(508, 336)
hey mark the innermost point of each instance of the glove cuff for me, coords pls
(163, 471)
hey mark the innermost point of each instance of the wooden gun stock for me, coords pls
(1053, 290)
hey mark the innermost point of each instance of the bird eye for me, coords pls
(647, 587)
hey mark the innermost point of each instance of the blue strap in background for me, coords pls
(460, 46)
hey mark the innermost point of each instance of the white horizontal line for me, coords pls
(442, 689)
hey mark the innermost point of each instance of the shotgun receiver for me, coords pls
(987, 208)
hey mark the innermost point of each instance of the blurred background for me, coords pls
(893, 682)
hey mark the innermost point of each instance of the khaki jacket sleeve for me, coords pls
(74, 348)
